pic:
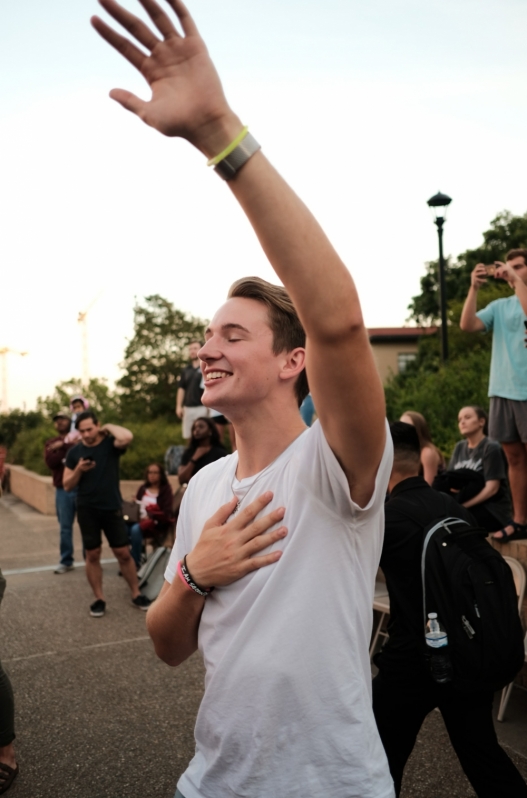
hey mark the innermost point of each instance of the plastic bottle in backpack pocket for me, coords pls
(437, 644)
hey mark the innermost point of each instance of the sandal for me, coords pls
(7, 777)
(519, 532)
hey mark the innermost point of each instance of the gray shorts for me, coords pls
(179, 794)
(507, 420)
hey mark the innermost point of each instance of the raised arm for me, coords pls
(122, 436)
(469, 322)
(188, 101)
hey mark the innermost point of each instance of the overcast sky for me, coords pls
(367, 108)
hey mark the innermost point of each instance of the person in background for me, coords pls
(190, 390)
(204, 448)
(482, 467)
(55, 451)
(506, 318)
(432, 461)
(307, 410)
(403, 691)
(8, 765)
(155, 499)
(77, 405)
(93, 466)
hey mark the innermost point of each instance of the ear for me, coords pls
(293, 363)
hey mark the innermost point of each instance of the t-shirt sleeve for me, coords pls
(72, 458)
(487, 316)
(455, 457)
(325, 478)
(493, 462)
(183, 380)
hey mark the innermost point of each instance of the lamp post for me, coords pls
(438, 204)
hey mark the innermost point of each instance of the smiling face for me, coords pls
(468, 421)
(239, 366)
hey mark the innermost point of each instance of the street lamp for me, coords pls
(438, 204)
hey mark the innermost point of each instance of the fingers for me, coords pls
(262, 542)
(159, 18)
(187, 23)
(129, 101)
(120, 43)
(220, 517)
(249, 513)
(257, 528)
(131, 23)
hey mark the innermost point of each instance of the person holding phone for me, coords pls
(508, 374)
(92, 466)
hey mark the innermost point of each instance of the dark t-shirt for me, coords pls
(216, 453)
(190, 381)
(99, 487)
(412, 505)
(486, 458)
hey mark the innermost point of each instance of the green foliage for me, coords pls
(28, 449)
(14, 422)
(436, 390)
(102, 400)
(151, 440)
(154, 357)
(506, 232)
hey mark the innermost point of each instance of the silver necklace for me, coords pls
(260, 475)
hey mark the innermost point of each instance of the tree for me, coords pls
(506, 232)
(439, 390)
(14, 422)
(102, 399)
(154, 358)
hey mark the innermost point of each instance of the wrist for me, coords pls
(214, 136)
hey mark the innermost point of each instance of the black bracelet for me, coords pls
(190, 582)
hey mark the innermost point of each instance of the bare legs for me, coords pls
(126, 564)
(516, 454)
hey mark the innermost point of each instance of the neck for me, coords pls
(195, 362)
(97, 440)
(474, 438)
(400, 476)
(263, 435)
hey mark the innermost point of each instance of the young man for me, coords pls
(508, 375)
(293, 549)
(404, 691)
(190, 391)
(55, 451)
(93, 467)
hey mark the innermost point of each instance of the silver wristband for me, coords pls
(229, 166)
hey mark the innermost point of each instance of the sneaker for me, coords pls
(98, 608)
(61, 568)
(141, 603)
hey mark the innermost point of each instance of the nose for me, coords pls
(209, 351)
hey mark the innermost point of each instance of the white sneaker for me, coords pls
(61, 568)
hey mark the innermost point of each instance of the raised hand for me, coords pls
(187, 95)
(478, 277)
(228, 550)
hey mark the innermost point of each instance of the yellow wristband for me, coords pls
(227, 151)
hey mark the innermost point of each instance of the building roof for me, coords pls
(396, 334)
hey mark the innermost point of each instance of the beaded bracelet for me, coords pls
(184, 574)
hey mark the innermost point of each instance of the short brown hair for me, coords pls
(517, 253)
(288, 333)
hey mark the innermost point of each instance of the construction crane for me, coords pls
(83, 321)
(4, 351)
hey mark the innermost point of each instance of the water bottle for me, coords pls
(437, 643)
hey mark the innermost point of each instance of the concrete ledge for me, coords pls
(33, 489)
(39, 492)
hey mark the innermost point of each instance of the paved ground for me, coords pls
(99, 716)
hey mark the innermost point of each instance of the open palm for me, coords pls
(187, 95)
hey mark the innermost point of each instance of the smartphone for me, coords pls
(89, 460)
(491, 270)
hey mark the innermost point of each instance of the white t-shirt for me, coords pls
(287, 706)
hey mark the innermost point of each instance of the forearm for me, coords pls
(71, 478)
(490, 489)
(469, 322)
(173, 621)
(122, 436)
(521, 293)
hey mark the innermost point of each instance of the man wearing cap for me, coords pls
(55, 451)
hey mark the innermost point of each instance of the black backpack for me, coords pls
(471, 588)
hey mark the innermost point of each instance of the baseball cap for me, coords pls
(62, 414)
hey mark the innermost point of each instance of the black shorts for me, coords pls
(93, 521)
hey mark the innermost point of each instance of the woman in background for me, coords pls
(155, 499)
(432, 461)
(204, 448)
